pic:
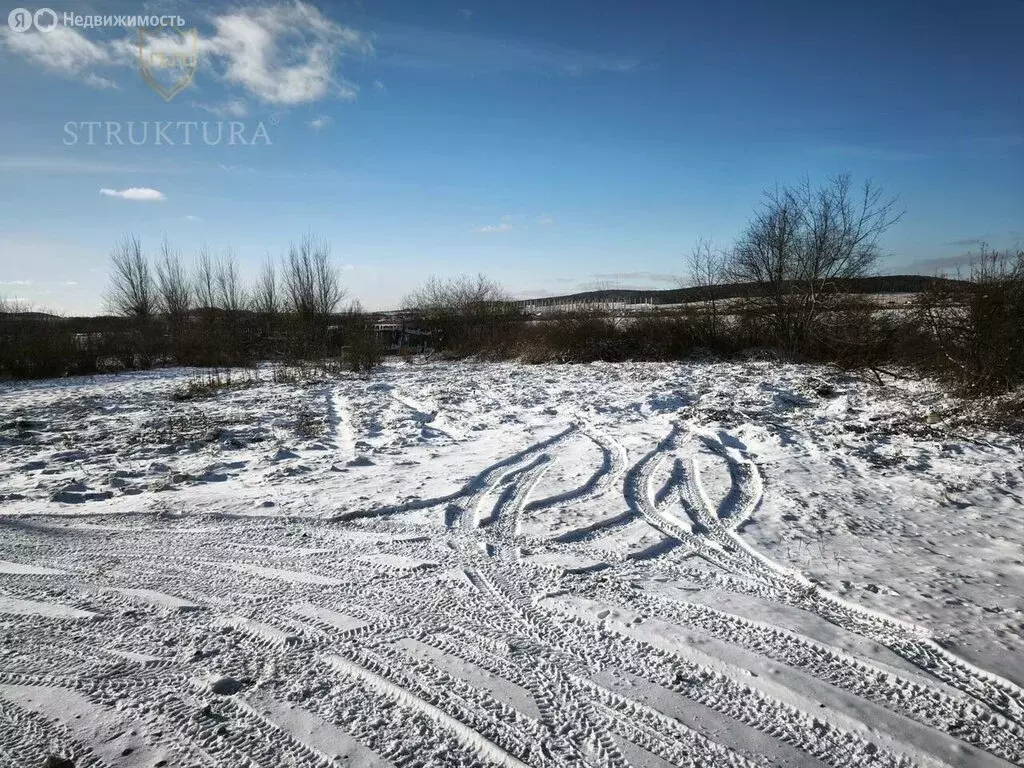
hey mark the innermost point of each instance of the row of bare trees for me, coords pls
(308, 287)
(166, 310)
(206, 314)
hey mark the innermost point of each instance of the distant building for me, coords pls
(396, 333)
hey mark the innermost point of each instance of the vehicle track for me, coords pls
(713, 537)
(314, 613)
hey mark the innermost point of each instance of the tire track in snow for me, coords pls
(722, 546)
(512, 500)
(339, 416)
(604, 478)
(733, 694)
(468, 496)
(492, 610)
(473, 740)
(960, 716)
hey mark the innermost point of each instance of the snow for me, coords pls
(701, 563)
(23, 569)
(16, 607)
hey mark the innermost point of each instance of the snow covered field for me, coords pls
(462, 564)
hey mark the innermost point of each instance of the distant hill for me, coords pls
(30, 316)
(865, 285)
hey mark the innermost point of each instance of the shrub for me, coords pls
(975, 329)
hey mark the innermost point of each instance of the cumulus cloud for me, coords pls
(97, 81)
(62, 50)
(282, 54)
(319, 123)
(144, 194)
(285, 54)
(504, 226)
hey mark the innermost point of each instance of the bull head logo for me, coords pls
(168, 58)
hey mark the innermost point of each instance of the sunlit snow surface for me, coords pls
(463, 564)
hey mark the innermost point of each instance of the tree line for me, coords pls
(164, 311)
(790, 273)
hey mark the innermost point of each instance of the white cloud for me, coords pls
(280, 54)
(546, 220)
(319, 123)
(21, 304)
(504, 226)
(190, 217)
(285, 54)
(96, 81)
(63, 50)
(347, 91)
(144, 194)
(233, 108)
(15, 282)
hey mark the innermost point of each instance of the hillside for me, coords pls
(879, 284)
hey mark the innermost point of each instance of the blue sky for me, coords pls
(554, 146)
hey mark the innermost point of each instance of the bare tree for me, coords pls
(132, 291)
(229, 291)
(804, 242)
(266, 297)
(205, 281)
(463, 312)
(462, 294)
(174, 293)
(706, 269)
(311, 285)
(12, 306)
